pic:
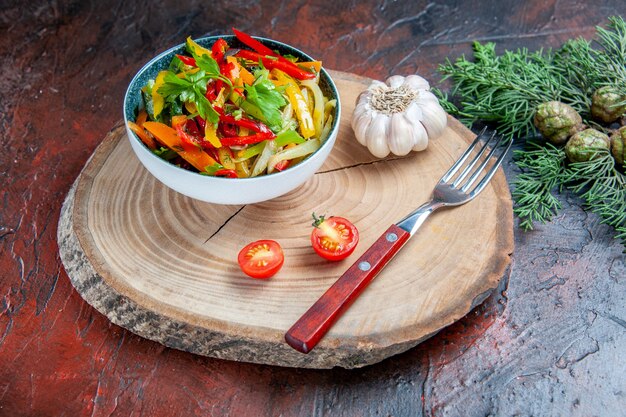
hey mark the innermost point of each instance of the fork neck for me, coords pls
(415, 219)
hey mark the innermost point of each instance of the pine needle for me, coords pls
(505, 90)
(533, 190)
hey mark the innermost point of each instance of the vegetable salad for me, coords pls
(234, 112)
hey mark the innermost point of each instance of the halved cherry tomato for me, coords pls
(261, 259)
(334, 238)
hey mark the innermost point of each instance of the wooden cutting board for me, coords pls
(164, 266)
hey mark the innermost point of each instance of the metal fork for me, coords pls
(457, 192)
(451, 190)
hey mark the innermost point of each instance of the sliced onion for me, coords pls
(326, 129)
(297, 151)
(261, 162)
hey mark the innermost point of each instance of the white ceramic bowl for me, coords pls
(218, 189)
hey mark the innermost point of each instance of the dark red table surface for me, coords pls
(550, 341)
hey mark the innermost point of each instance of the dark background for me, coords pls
(550, 341)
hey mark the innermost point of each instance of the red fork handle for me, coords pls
(304, 335)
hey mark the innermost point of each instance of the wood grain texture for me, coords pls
(171, 259)
(549, 341)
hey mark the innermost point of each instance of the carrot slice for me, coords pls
(142, 116)
(168, 137)
(141, 133)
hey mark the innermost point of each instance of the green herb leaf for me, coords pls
(208, 65)
(165, 153)
(191, 88)
(264, 95)
(212, 169)
(173, 86)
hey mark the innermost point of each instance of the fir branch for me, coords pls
(533, 189)
(505, 91)
(602, 187)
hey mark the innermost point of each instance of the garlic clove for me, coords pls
(420, 137)
(359, 110)
(376, 135)
(374, 86)
(435, 120)
(364, 96)
(360, 126)
(413, 112)
(426, 98)
(395, 81)
(416, 82)
(400, 135)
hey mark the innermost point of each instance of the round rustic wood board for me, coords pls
(164, 266)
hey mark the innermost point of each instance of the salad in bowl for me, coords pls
(221, 111)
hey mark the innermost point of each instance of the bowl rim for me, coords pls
(211, 39)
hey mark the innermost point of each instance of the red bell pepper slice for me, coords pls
(188, 142)
(187, 60)
(201, 122)
(218, 50)
(191, 138)
(243, 122)
(228, 173)
(246, 140)
(211, 94)
(259, 47)
(225, 70)
(287, 67)
(227, 129)
(282, 165)
(253, 43)
(208, 148)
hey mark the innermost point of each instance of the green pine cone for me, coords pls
(618, 145)
(605, 103)
(557, 121)
(584, 145)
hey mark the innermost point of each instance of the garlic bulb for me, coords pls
(397, 116)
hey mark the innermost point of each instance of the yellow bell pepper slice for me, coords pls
(191, 107)
(210, 134)
(158, 102)
(316, 65)
(225, 158)
(189, 71)
(243, 169)
(242, 73)
(239, 77)
(316, 101)
(197, 49)
(299, 103)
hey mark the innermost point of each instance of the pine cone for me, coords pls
(618, 146)
(605, 103)
(584, 145)
(557, 121)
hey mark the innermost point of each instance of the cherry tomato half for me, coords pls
(334, 238)
(261, 259)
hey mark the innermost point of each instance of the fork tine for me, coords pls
(481, 185)
(470, 166)
(454, 168)
(482, 166)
